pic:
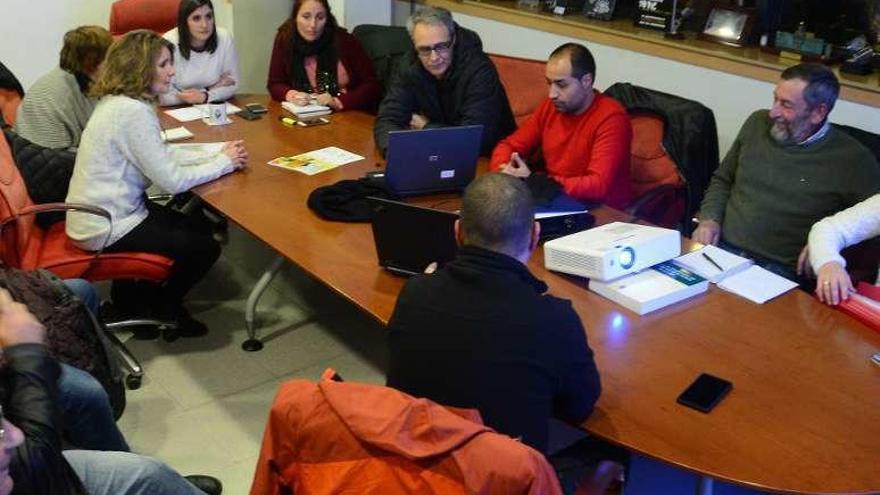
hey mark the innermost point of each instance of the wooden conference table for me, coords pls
(804, 413)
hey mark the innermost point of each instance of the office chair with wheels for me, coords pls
(157, 15)
(24, 244)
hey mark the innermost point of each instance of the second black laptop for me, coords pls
(408, 238)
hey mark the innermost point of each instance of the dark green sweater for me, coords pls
(767, 196)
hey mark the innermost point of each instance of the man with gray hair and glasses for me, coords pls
(448, 81)
(787, 169)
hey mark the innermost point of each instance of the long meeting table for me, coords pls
(804, 413)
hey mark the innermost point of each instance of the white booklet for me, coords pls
(757, 284)
(176, 134)
(306, 111)
(196, 112)
(713, 263)
(652, 288)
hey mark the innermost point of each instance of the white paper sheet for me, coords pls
(757, 284)
(196, 112)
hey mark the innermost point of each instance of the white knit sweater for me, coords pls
(850, 226)
(203, 69)
(121, 153)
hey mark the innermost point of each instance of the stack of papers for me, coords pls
(306, 111)
(757, 284)
(701, 263)
(316, 161)
(196, 112)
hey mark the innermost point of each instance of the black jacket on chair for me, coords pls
(690, 135)
(470, 93)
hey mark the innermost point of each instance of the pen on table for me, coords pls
(713, 262)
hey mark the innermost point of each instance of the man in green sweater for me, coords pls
(787, 169)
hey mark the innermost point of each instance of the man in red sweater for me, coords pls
(583, 136)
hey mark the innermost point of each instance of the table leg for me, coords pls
(706, 486)
(252, 343)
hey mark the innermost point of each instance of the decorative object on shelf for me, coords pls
(730, 26)
(563, 7)
(528, 4)
(600, 9)
(802, 43)
(680, 12)
(652, 14)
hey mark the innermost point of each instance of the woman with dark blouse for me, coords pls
(314, 60)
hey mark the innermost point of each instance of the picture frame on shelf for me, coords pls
(600, 9)
(729, 26)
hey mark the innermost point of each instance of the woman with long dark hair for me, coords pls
(315, 60)
(205, 59)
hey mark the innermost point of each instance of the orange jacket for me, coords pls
(340, 437)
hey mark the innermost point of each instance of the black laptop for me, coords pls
(434, 160)
(408, 238)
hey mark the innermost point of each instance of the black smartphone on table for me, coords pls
(705, 392)
(256, 108)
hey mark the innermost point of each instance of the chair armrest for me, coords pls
(51, 207)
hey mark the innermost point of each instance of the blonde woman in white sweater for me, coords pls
(831, 235)
(121, 154)
(205, 59)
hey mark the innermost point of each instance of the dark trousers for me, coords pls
(185, 240)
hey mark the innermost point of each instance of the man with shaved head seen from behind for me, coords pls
(482, 332)
(581, 136)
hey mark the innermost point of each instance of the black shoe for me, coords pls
(207, 484)
(187, 326)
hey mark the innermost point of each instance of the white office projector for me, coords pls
(611, 250)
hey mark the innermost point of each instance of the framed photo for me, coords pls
(599, 9)
(728, 26)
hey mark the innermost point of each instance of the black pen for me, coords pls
(713, 262)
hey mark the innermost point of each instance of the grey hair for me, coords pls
(433, 16)
(822, 84)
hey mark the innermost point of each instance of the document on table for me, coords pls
(196, 112)
(189, 154)
(713, 263)
(176, 134)
(757, 284)
(317, 161)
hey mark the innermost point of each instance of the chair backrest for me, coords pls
(690, 138)
(22, 237)
(387, 47)
(524, 82)
(128, 15)
(11, 94)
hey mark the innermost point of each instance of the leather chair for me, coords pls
(524, 83)
(157, 15)
(862, 258)
(11, 94)
(674, 154)
(24, 244)
(386, 46)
